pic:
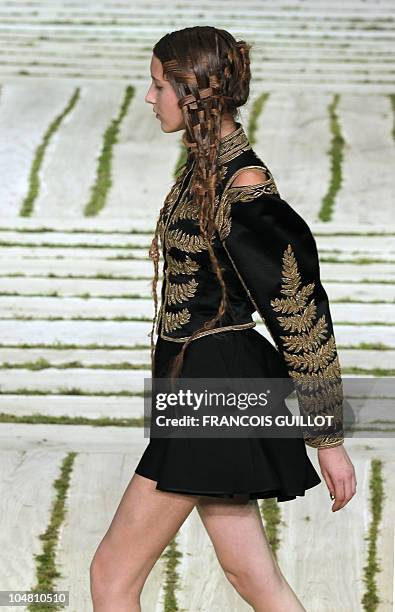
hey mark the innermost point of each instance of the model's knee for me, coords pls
(107, 581)
(249, 582)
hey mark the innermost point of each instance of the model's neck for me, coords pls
(227, 127)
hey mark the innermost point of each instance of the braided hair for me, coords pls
(210, 73)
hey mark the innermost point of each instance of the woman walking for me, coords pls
(231, 246)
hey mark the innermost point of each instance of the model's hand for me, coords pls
(339, 474)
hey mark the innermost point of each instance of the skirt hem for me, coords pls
(270, 493)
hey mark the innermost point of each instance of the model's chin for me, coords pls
(169, 129)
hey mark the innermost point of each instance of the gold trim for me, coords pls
(324, 442)
(233, 144)
(159, 319)
(216, 330)
(240, 193)
(239, 171)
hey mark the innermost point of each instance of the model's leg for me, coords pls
(239, 539)
(144, 523)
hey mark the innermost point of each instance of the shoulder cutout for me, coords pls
(250, 176)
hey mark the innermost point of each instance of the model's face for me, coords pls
(164, 99)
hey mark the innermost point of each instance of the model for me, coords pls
(231, 246)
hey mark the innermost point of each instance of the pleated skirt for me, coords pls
(227, 467)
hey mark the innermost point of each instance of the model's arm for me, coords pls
(275, 254)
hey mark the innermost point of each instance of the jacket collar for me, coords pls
(230, 146)
(233, 144)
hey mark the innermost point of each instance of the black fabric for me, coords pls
(225, 467)
(275, 252)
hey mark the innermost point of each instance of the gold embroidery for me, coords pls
(222, 171)
(186, 210)
(170, 200)
(179, 292)
(305, 341)
(241, 193)
(159, 319)
(187, 266)
(175, 320)
(233, 144)
(191, 243)
(311, 355)
(324, 441)
(215, 330)
(313, 361)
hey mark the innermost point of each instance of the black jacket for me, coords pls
(270, 264)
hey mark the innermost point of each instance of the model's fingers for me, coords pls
(330, 484)
(339, 495)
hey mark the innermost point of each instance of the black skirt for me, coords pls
(227, 467)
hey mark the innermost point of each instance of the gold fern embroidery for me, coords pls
(175, 320)
(180, 292)
(191, 243)
(170, 200)
(311, 356)
(186, 266)
(186, 210)
(315, 360)
(309, 340)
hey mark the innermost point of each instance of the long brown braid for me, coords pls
(210, 72)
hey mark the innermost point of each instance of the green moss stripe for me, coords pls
(34, 179)
(36, 230)
(336, 159)
(97, 276)
(256, 111)
(137, 296)
(144, 319)
(357, 260)
(46, 570)
(49, 230)
(45, 419)
(172, 557)
(44, 364)
(367, 346)
(73, 391)
(64, 346)
(103, 182)
(351, 233)
(55, 318)
(369, 371)
(271, 514)
(370, 599)
(82, 296)
(392, 102)
(69, 245)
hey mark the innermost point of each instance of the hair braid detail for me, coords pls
(210, 72)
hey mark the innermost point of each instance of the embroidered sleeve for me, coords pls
(275, 256)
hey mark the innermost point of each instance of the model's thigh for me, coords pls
(236, 530)
(143, 525)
